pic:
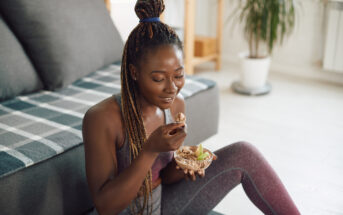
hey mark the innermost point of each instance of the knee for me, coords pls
(238, 149)
(244, 146)
(235, 148)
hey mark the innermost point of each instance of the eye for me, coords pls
(179, 76)
(157, 79)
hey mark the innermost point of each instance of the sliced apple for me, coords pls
(199, 150)
(203, 156)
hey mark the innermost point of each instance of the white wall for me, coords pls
(300, 55)
(124, 16)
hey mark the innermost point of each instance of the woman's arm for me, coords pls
(102, 129)
(173, 173)
(170, 174)
(110, 194)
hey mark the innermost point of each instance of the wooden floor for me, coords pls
(299, 129)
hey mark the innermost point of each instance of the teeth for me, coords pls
(168, 99)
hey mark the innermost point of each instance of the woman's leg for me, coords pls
(237, 163)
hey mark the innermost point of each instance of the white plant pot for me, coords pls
(254, 71)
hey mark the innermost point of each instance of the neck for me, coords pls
(147, 108)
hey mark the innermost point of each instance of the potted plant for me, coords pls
(265, 23)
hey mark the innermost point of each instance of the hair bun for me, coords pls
(149, 8)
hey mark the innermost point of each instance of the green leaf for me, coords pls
(266, 21)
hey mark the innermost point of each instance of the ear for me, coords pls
(133, 72)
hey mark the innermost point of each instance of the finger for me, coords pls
(177, 167)
(174, 125)
(175, 129)
(193, 177)
(177, 141)
(185, 171)
(215, 157)
(201, 173)
(176, 132)
(179, 135)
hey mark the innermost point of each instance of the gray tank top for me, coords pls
(123, 160)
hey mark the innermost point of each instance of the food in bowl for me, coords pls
(193, 157)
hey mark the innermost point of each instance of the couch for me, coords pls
(58, 58)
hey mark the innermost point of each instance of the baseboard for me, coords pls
(309, 72)
(214, 213)
(314, 72)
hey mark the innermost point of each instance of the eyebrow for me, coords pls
(157, 71)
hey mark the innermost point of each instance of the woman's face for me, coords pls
(160, 75)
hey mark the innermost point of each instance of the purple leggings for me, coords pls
(237, 163)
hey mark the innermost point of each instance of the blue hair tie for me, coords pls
(152, 19)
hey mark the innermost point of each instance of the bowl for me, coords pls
(187, 162)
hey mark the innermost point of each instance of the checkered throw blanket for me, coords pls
(39, 126)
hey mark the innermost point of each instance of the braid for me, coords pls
(145, 36)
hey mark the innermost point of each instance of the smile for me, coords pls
(167, 99)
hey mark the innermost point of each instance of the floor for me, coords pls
(299, 129)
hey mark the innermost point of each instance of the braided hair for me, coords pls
(145, 36)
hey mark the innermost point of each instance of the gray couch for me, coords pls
(56, 60)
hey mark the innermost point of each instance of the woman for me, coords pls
(130, 138)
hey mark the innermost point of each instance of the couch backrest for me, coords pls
(17, 75)
(65, 39)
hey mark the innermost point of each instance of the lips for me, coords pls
(167, 99)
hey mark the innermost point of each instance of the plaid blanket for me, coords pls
(38, 126)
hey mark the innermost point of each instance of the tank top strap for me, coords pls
(117, 97)
(168, 116)
(123, 153)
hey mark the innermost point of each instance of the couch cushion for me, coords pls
(65, 39)
(39, 126)
(17, 75)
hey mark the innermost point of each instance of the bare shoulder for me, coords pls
(103, 117)
(101, 132)
(178, 105)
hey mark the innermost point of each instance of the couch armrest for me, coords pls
(202, 112)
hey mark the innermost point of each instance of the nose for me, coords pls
(170, 87)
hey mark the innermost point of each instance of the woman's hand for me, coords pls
(166, 138)
(191, 175)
